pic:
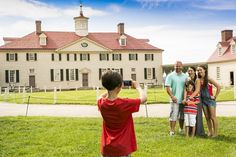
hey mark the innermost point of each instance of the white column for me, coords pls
(19, 89)
(31, 89)
(45, 89)
(5, 94)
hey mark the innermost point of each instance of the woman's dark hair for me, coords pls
(111, 80)
(190, 82)
(205, 79)
(194, 69)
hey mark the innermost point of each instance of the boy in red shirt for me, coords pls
(118, 136)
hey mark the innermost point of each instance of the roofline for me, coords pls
(221, 61)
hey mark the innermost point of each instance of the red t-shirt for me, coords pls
(118, 137)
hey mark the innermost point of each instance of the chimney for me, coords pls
(121, 29)
(38, 27)
(226, 35)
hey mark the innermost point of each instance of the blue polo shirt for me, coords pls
(176, 82)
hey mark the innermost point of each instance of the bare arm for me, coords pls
(197, 88)
(216, 85)
(142, 94)
(185, 96)
(169, 92)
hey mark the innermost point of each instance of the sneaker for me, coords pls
(181, 131)
(172, 133)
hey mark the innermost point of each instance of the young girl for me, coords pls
(190, 108)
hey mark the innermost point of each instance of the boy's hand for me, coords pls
(184, 102)
(135, 84)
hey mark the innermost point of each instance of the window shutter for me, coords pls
(152, 57)
(52, 75)
(121, 72)
(16, 57)
(52, 57)
(113, 57)
(59, 57)
(153, 73)
(88, 57)
(145, 57)
(129, 56)
(62, 76)
(27, 56)
(108, 57)
(81, 57)
(35, 56)
(100, 56)
(77, 74)
(7, 56)
(17, 76)
(136, 56)
(68, 57)
(145, 73)
(7, 76)
(75, 57)
(120, 57)
(67, 74)
(100, 73)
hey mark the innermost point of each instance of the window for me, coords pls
(57, 75)
(123, 42)
(68, 57)
(11, 56)
(218, 73)
(104, 70)
(234, 48)
(116, 57)
(104, 57)
(12, 76)
(31, 71)
(84, 57)
(72, 74)
(132, 69)
(133, 57)
(149, 73)
(149, 57)
(31, 56)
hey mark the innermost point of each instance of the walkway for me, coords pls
(226, 109)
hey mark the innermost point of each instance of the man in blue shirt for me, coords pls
(175, 82)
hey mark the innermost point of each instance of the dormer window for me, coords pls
(122, 40)
(42, 40)
(233, 48)
(220, 51)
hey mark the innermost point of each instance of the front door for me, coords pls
(32, 81)
(85, 79)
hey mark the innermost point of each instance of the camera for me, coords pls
(127, 83)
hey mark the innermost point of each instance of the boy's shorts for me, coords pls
(176, 111)
(190, 120)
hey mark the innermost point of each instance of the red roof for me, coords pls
(57, 40)
(227, 56)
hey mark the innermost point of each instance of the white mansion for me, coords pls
(77, 59)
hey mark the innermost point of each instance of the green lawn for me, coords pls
(155, 95)
(80, 137)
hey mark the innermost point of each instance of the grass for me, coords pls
(80, 137)
(155, 95)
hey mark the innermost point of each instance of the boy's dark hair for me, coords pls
(111, 80)
(190, 82)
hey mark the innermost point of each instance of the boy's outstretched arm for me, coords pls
(142, 94)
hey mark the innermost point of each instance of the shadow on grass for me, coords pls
(223, 138)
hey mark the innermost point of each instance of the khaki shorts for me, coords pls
(176, 111)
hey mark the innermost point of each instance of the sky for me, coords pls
(187, 30)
